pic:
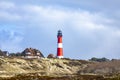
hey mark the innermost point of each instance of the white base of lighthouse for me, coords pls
(60, 57)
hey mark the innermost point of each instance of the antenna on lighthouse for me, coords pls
(59, 45)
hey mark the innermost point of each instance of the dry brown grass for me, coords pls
(60, 69)
(77, 77)
(111, 67)
(35, 77)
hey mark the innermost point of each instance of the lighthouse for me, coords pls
(59, 45)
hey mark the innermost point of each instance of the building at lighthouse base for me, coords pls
(60, 57)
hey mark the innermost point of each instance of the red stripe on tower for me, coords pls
(59, 47)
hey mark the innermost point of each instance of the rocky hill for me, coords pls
(12, 67)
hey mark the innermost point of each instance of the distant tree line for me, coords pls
(99, 59)
(15, 54)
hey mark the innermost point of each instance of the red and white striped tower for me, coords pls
(60, 46)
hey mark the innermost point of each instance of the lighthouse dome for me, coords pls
(59, 33)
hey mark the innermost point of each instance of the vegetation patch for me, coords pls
(34, 76)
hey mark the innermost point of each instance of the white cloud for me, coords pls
(6, 5)
(9, 11)
(40, 13)
(78, 19)
(6, 16)
(10, 40)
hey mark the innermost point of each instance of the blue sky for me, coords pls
(90, 28)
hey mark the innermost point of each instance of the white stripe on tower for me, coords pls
(60, 45)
